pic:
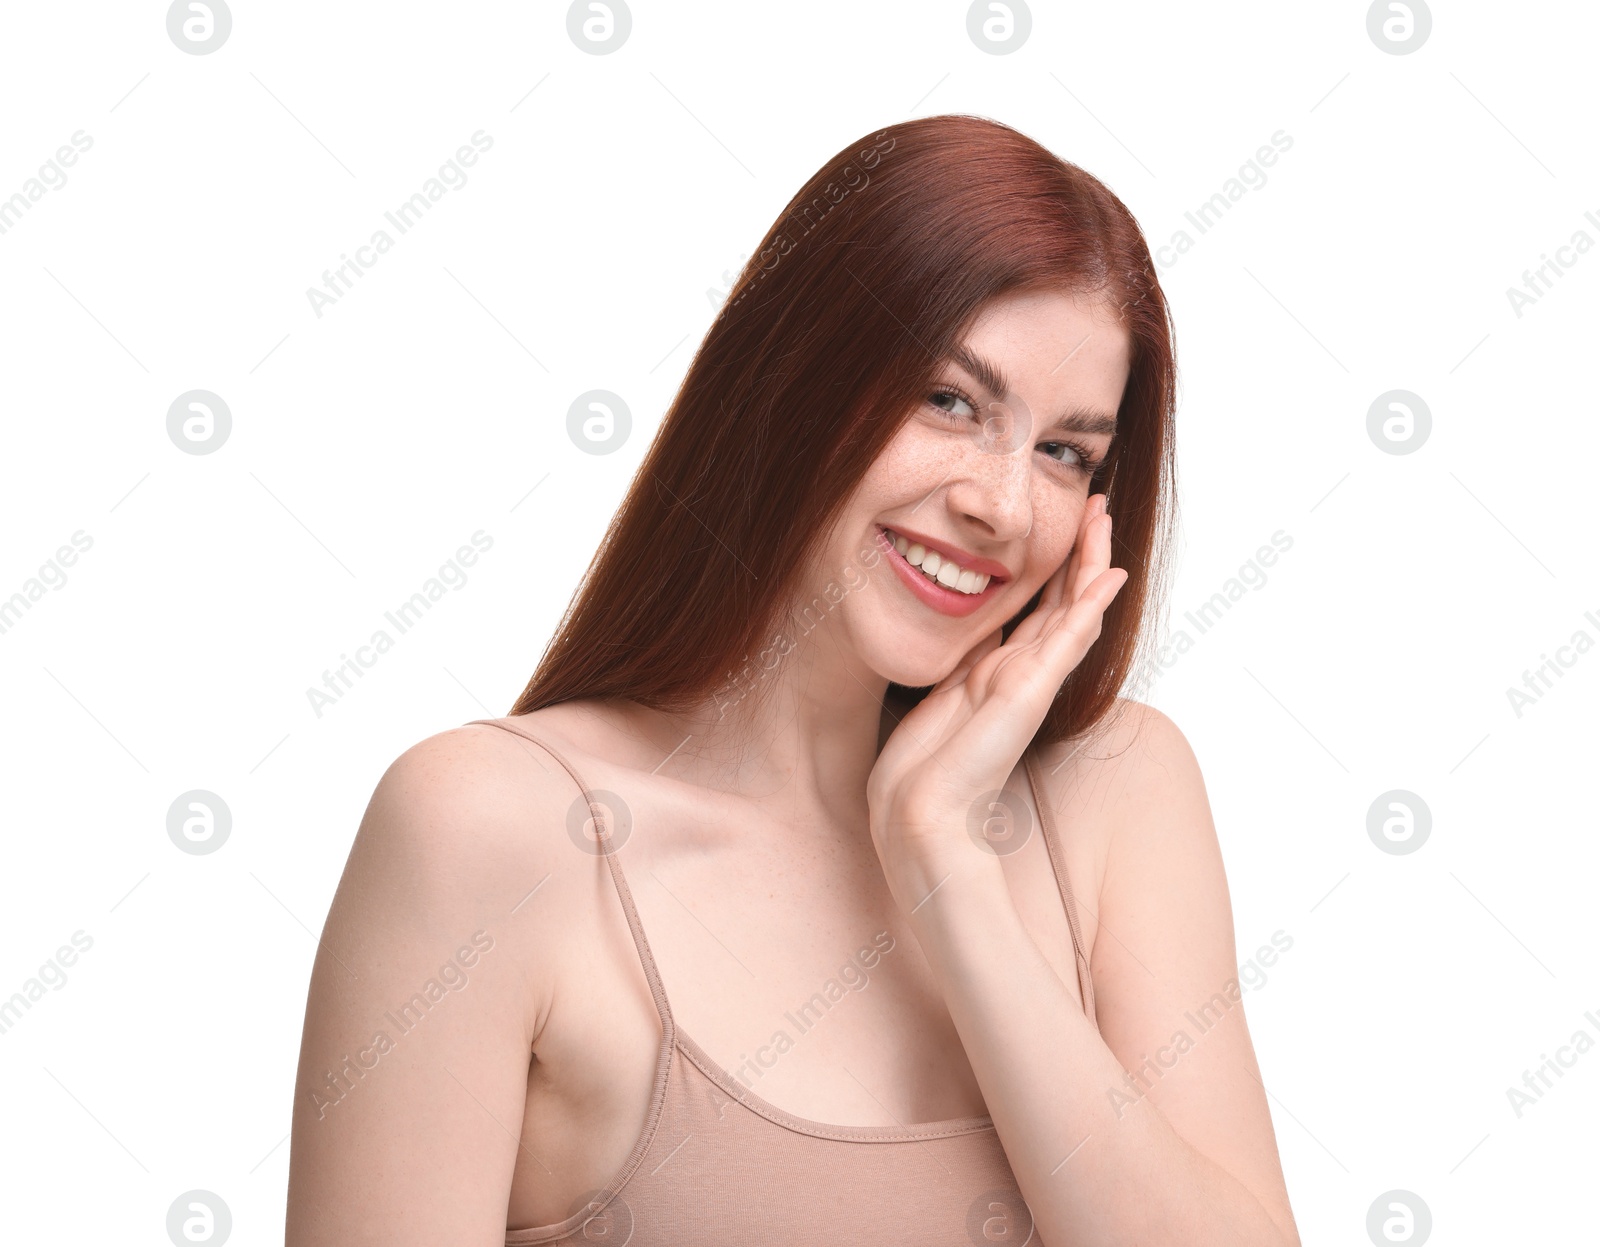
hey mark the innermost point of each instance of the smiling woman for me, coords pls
(819, 361)
(948, 367)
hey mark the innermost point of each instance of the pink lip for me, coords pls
(958, 556)
(945, 601)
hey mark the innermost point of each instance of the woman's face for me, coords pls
(991, 472)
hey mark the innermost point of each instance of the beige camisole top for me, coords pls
(717, 1166)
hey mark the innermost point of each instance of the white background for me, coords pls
(371, 442)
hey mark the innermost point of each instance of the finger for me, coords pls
(1055, 589)
(1045, 666)
(1049, 600)
(1096, 555)
(1057, 584)
(1083, 549)
(1076, 628)
(1072, 632)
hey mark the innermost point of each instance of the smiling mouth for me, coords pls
(942, 571)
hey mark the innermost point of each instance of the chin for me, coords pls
(916, 669)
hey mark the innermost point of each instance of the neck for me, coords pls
(811, 728)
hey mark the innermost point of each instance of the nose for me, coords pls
(993, 487)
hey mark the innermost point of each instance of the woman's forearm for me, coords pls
(1093, 1167)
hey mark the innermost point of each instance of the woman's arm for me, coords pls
(426, 996)
(1184, 1152)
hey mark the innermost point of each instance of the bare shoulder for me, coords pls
(430, 989)
(1132, 739)
(460, 830)
(1163, 890)
(1134, 763)
(473, 797)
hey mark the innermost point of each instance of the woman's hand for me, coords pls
(932, 790)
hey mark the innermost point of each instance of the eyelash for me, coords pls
(1087, 463)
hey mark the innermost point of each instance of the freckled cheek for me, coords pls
(1055, 531)
(915, 452)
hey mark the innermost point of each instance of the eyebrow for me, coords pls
(989, 376)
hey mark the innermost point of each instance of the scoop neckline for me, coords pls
(818, 1129)
(675, 1039)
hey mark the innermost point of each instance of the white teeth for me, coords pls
(937, 568)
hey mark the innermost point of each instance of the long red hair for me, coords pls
(831, 335)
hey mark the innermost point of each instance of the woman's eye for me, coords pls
(1081, 457)
(948, 402)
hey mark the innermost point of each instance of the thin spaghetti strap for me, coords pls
(600, 814)
(1052, 844)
